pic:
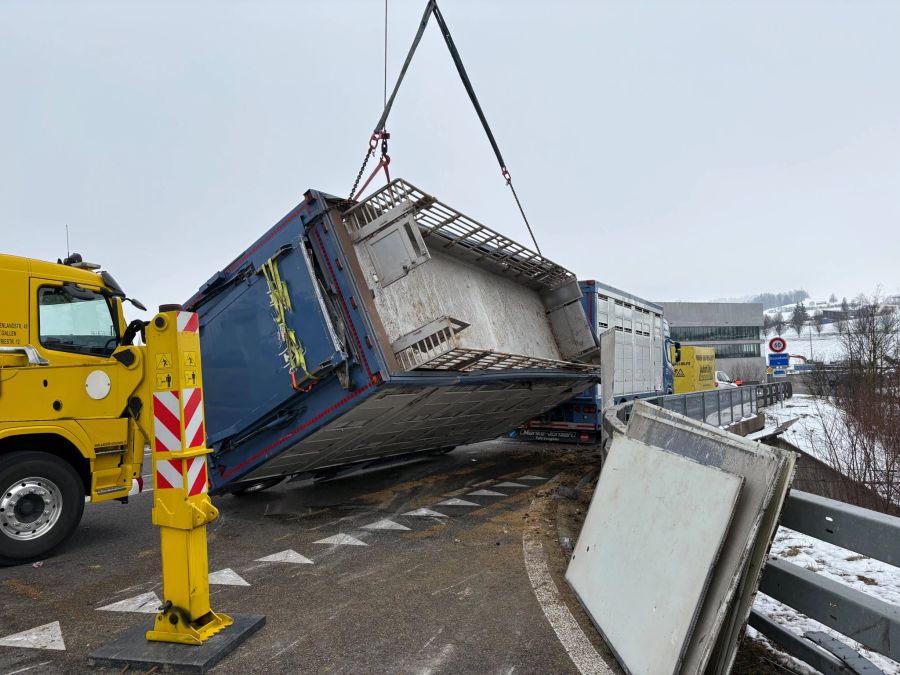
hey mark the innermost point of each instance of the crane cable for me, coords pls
(381, 135)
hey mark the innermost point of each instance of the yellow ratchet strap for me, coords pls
(281, 302)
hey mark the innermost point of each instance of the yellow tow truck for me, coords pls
(72, 386)
(79, 401)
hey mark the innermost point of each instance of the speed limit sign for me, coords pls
(777, 345)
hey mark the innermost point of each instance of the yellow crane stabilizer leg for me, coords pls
(181, 504)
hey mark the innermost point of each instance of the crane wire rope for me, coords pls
(381, 135)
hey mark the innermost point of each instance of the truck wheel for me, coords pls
(259, 486)
(41, 503)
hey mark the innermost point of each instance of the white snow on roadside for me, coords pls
(869, 576)
(864, 574)
(808, 432)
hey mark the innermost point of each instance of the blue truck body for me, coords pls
(641, 331)
(308, 361)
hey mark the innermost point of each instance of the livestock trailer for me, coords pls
(353, 332)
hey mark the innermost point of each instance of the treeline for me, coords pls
(770, 300)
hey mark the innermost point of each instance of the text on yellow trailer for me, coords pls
(695, 370)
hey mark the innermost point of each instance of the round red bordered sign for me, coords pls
(777, 345)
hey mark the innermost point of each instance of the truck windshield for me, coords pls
(79, 322)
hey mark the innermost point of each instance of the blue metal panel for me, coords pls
(245, 374)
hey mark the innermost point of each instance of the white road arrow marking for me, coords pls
(487, 493)
(48, 636)
(510, 484)
(532, 478)
(456, 502)
(288, 556)
(227, 577)
(341, 540)
(421, 513)
(146, 603)
(385, 525)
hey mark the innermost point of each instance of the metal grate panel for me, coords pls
(466, 360)
(445, 227)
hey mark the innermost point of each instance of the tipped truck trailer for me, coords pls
(639, 361)
(355, 332)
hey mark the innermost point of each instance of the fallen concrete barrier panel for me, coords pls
(766, 472)
(648, 549)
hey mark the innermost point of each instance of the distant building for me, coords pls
(734, 329)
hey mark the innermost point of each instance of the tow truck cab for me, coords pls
(70, 397)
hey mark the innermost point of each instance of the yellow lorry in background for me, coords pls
(695, 368)
(72, 387)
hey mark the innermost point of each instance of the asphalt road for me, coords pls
(468, 592)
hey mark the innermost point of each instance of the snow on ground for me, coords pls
(808, 432)
(869, 576)
(824, 347)
(859, 572)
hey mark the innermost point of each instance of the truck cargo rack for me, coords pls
(457, 234)
(467, 360)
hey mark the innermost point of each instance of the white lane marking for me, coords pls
(529, 477)
(145, 603)
(48, 636)
(227, 577)
(288, 556)
(22, 670)
(438, 661)
(422, 513)
(510, 484)
(341, 539)
(487, 493)
(384, 525)
(456, 502)
(569, 633)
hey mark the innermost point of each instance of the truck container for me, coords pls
(636, 354)
(695, 369)
(353, 332)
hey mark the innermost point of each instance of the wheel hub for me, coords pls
(29, 508)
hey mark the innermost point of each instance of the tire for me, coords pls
(41, 504)
(258, 486)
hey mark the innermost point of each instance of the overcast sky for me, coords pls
(680, 151)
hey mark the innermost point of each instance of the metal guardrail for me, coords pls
(727, 406)
(869, 621)
(861, 617)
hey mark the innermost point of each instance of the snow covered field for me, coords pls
(859, 572)
(824, 347)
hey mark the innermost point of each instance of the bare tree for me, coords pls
(747, 370)
(871, 341)
(860, 408)
(843, 316)
(832, 299)
(767, 324)
(778, 323)
(818, 319)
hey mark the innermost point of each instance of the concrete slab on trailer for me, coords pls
(133, 650)
(766, 472)
(648, 547)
